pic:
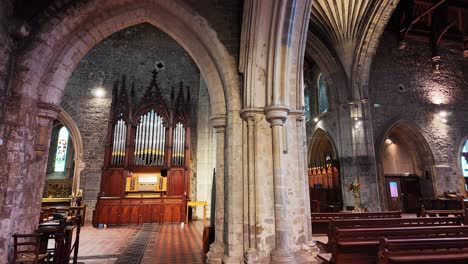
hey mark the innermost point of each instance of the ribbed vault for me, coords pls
(350, 29)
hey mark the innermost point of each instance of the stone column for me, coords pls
(252, 117)
(26, 186)
(276, 115)
(216, 253)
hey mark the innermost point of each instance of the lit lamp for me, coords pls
(443, 116)
(99, 91)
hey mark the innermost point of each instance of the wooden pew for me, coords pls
(361, 245)
(388, 222)
(424, 250)
(320, 221)
(457, 213)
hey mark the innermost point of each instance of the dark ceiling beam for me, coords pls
(404, 31)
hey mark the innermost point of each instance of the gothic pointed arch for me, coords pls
(403, 151)
(321, 147)
(67, 32)
(324, 174)
(77, 140)
(350, 32)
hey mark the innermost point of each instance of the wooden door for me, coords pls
(394, 198)
(410, 193)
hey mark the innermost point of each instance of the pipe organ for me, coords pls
(146, 168)
(150, 141)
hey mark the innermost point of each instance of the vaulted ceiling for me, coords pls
(349, 28)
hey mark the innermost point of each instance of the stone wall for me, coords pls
(224, 16)
(6, 53)
(6, 45)
(134, 51)
(403, 82)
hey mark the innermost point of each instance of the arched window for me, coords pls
(62, 147)
(306, 102)
(322, 94)
(464, 163)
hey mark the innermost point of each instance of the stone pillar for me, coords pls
(27, 149)
(276, 115)
(252, 117)
(216, 253)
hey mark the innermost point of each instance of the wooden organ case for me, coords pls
(146, 171)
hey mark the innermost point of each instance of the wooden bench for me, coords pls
(424, 250)
(388, 222)
(435, 213)
(361, 245)
(320, 221)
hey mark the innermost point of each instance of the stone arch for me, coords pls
(321, 143)
(351, 47)
(77, 140)
(325, 184)
(47, 59)
(331, 67)
(68, 40)
(422, 160)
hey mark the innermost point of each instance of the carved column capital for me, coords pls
(46, 113)
(252, 115)
(277, 114)
(299, 114)
(219, 123)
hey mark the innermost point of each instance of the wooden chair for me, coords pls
(27, 249)
(74, 211)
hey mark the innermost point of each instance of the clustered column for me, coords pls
(216, 252)
(252, 117)
(276, 116)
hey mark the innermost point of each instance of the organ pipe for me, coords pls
(150, 140)
(137, 144)
(162, 146)
(145, 142)
(178, 145)
(118, 143)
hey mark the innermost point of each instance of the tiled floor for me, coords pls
(176, 244)
(104, 246)
(168, 243)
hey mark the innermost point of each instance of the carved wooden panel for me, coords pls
(114, 183)
(176, 182)
(139, 211)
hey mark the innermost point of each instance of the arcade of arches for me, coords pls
(266, 110)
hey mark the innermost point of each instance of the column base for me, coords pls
(216, 253)
(252, 256)
(308, 253)
(232, 260)
(282, 256)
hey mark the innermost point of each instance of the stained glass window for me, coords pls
(322, 94)
(62, 147)
(464, 162)
(307, 104)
